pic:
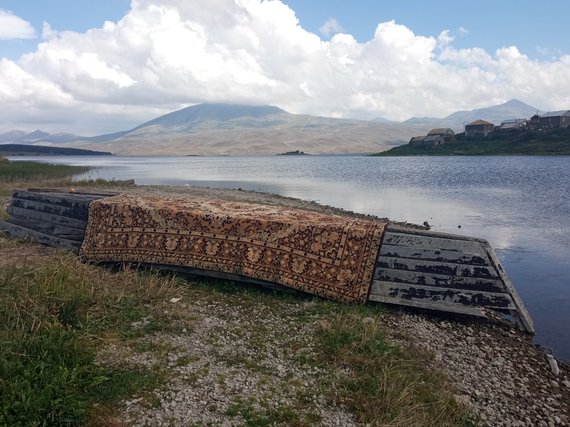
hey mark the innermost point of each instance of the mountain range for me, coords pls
(513, 109)
(228, 129)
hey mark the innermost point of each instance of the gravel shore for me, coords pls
(224, 370)
(496, 371)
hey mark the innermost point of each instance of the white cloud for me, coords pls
(445, 38)
(166, 54)
(14, 27)
(331, 27)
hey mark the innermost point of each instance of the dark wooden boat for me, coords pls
(415, 268)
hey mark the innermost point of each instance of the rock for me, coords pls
(566, 383)
(553, 364)
(463, 399)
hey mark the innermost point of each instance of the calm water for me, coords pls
(520, 204)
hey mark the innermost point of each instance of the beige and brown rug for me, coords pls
(327, 255)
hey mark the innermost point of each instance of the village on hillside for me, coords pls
(482, 128)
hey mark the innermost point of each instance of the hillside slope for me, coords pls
(226, 129)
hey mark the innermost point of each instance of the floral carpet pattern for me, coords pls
(326, 255)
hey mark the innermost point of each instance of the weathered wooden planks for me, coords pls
(436, 267)
(444, 272)
(442, 280)
(420, 241)
(36, 236)
(520, 309)
(52, 229)
(51, 218)
(77, 211)
(46, 217)
(454, 256)
(63, 199)
(497, 300)
(431, 305)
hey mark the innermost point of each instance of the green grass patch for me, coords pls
(50, 317)
(264, 415)
(379, 382)
(49, 379)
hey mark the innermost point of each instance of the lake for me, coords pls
(520, 204)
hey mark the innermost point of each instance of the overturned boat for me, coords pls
(338, 257)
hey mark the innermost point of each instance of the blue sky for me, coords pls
(62, 15)
(538, 30)
(353, 59)
(489, 24)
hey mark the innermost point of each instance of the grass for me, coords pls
(33, 171)
(49, 316)
(382, 383)
(266, 416)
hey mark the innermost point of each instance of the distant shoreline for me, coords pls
(43, 150)
(531, 143)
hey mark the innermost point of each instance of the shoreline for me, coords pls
(494, 370)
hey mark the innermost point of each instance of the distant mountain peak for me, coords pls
(217, 112)
(37, 134)
(236, 109)
(515, 103)
(512, 109)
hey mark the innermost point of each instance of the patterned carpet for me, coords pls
(327, 255)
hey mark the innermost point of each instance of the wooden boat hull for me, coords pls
(414, 268)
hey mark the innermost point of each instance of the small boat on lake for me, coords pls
(339, 257)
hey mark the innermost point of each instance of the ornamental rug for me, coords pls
(327, 255)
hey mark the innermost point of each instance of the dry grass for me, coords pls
(384, 383)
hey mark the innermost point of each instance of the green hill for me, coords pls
(536, 142)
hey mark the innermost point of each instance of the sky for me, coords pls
(91, 67)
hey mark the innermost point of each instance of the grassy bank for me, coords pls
(50, 316)
(556, 142)
(19, 172)
(84, 345)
